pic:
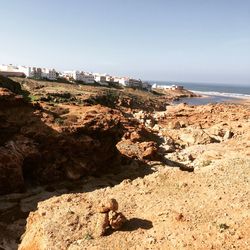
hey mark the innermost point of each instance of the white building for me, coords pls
(31, 72)
(13, 70)
(171, 87)
(68, 74)
(124, 81)
(130, 82)
(116, 79)
(87, 77)
(28, 71)
(79, 76)
(100, 78)
(75, 75)
(109, 78)
(49, 74)
(8, 68)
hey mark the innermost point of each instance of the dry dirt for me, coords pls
(168, 209)
(182, 176)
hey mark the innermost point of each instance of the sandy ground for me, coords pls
(245, 101)
(208, 208)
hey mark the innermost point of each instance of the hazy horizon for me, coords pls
(202, 82)
(179, 41)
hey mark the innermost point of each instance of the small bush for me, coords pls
(223, 227)
(59, 121)
(206, 163)
(88, 236)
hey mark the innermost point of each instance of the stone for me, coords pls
(102, 224)
(228, 135)
(149, 150)
(165, 148)
(108, 205)
(116, 220)
(196, 136)
(174, 125)
(150, 123)
(135, 136)
(156, 128)
(145, 150)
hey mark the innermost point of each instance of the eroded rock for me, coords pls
(144, 150)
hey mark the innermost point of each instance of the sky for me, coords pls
(168, 40)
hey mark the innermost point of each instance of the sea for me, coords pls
(211, 93)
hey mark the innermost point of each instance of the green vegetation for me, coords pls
(59, 121)
(112, 95)
(88, 236)
(33, 98)
(223, 227)
(206, 163)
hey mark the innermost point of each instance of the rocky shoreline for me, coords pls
(173, 169)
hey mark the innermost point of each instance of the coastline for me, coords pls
(243, 101)
(207, 99)
(195, 97)
(236, 100)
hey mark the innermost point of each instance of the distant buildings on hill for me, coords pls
(71, 76)
(30, 72)
(171, 87)
(78, 76)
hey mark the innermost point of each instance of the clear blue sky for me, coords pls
(178, 40)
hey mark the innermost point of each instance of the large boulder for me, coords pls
(195, 136)
(147, 150)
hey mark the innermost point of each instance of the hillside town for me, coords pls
(72, 76)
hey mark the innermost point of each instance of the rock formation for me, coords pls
(82, 221)
(34, 147)
(71, 150)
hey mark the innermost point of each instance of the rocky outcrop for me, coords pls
(191, 125)
(43, 143)
(13, 86)
(145, 118)
(12, 156)
(195, 136)
(32, 148)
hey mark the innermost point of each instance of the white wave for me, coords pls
(213, 93)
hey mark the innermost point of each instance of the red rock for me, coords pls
(143, 150)
(65, 152)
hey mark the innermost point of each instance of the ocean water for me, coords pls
(212, 93)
